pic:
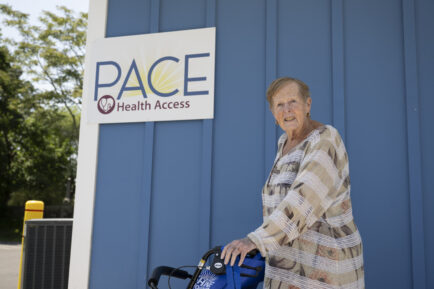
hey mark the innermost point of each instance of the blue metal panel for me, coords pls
(179, 15)
(239, 119)
(376, 139)
(337, 24)
(148, 151)
(206, 166)
(120, 216)
(117, 226)
(413, 143)
(145, 201)
(127, 19)
(270, 75)
(304, 50)
(425, 53)
(175, 194)
(176, 189)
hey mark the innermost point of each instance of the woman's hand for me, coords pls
(237, 247)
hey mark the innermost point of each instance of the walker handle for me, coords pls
(168, 271)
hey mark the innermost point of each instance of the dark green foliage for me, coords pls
(13, 95)
(40, 98)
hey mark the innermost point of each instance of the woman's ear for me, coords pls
(272, 110)
(309, 103)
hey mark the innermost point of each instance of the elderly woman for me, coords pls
(308, 235)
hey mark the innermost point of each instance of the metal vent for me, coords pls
(46, 253)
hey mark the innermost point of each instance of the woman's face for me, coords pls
(289, 108)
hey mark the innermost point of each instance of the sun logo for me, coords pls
(166, 77)
(205, 280)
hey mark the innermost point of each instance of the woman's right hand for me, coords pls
(237, 247)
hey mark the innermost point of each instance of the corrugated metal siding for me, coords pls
(425, 55)
(376, 138)
(167, 191)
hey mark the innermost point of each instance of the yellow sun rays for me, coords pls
(166, 77)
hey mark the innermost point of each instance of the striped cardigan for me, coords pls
(308, 234)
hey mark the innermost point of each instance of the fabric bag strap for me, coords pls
(233, 278)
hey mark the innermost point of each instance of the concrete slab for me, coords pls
(9, 265)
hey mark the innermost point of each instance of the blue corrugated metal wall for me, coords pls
(168, 191)
(425, 53)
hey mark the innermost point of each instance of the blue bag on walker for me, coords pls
(220, 276)
(217, 275)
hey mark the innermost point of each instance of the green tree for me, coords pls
(14, 96)
(52, 53)
(39, 119)
(45, 159)
(37, 143)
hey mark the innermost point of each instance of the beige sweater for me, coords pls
(308, 235)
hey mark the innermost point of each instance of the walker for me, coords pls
(216, 275)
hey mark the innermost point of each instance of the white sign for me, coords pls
(152, 77)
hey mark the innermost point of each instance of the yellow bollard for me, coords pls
(34, 210)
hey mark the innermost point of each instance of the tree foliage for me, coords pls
(14, 94)
(40, 96)
(52, 54)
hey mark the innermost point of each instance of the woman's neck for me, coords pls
(298, 135)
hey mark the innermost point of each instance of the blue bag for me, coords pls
(248, 276)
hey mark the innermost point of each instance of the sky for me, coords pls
(35, 7)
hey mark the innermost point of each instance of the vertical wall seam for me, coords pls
(338, 72)
(205, 192)
(271, 18)
(413, 144)
(146, 202)
(149, 127)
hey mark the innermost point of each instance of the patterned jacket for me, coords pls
(308, 234)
